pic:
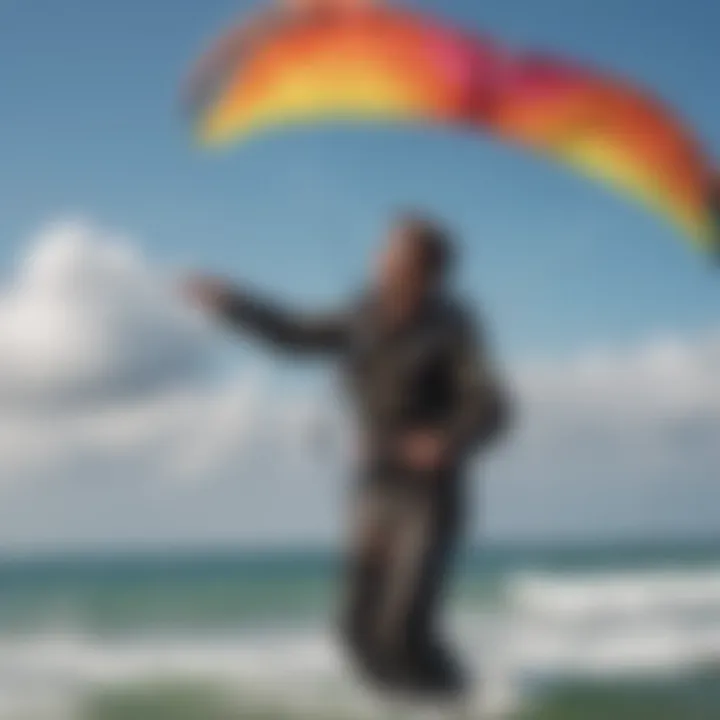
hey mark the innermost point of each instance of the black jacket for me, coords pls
(434, 373)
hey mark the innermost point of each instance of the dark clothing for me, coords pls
(398, 571)
(430, 374)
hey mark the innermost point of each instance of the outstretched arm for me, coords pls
(283, 328)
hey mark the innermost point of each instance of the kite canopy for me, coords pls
(311, 61)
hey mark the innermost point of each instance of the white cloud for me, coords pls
(115, 427)
(85, 316)
(113, 417)
(617, 441)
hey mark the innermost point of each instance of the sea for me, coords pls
(604, 632)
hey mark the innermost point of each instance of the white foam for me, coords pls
(616, 624)
(624, 592)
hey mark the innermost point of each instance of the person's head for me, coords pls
(417, 258)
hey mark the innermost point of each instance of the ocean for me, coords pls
(601, 633)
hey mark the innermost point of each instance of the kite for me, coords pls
(319, 61)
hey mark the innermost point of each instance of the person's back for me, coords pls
(426, 398)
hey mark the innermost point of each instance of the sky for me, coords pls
(126, 419)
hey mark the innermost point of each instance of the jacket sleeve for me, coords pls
(482, 410)
(283, 328)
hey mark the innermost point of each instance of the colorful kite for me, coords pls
(310, 61)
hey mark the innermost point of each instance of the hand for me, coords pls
(205, 291)
(423, 450)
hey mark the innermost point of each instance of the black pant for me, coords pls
(406, 532)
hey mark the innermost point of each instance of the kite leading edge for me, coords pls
(319, 61)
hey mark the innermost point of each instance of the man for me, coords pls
(426, 398)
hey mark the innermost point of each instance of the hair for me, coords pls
(435, 242)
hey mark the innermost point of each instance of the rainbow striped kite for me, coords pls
(353, 60)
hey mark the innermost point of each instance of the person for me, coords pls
(427, 396)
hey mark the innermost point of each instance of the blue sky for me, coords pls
(111, 429)
(91, 126)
